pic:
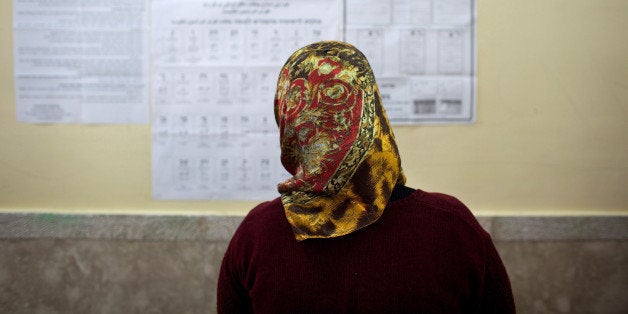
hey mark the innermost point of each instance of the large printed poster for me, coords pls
(422, 54)
(215, 66)
(81, 61)
(208, 78)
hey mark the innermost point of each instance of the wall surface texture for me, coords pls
(552, 115)
(158, 264)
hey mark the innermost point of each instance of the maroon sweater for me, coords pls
(426, 254)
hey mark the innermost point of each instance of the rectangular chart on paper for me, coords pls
(215, 67)
(81, 61)
(423, 56)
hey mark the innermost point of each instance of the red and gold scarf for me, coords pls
(335, 141)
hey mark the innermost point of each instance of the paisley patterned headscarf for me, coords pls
(335, 141)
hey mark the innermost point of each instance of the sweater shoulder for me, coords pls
(261, 218)
(266, 211)
(446, 206)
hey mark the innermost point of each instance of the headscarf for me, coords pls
(336, 142)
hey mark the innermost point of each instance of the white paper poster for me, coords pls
(81, 61)
(423, 56)
(214, 73)
(213, 67)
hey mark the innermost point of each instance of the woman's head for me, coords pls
(335, 141)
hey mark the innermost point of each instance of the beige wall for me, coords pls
(552, 115)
